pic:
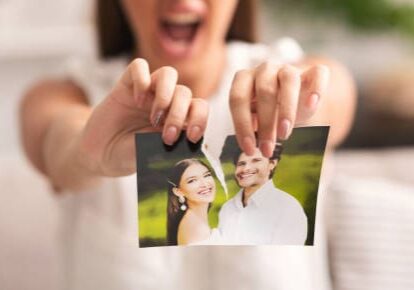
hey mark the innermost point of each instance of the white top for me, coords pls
(100, 229)
(271, 217)
(215, 238)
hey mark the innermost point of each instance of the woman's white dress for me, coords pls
(99, 228)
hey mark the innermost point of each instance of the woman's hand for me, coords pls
(272, 99)
(140, 101)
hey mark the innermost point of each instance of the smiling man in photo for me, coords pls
(261, 214)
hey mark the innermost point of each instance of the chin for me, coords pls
(244, 184)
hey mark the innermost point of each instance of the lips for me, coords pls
(179, 30)
(246, 175)
(206, 191)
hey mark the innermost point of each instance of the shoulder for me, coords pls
(290, 204)
(191, 230)
(229, 205)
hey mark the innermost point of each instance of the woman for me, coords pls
(191, 190)
(183, 72)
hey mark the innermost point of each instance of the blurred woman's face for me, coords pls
(177, 32)
(197, 184)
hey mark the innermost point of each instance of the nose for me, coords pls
(247, 167)
(203, 183)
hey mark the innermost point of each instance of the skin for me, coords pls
(198, 187)
(252, 172)
(159, 91)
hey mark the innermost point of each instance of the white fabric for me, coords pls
(271, 217)
(215, 238)
(371, 220)
(100, 228)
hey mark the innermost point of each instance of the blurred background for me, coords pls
(374, 38)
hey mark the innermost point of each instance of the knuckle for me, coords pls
(169, 70)
(241, 74)
(183, 91)
(138, 62)
(162, 104)
(266, 67)
(200, 103)
(237, 97)
(266, 91)
(288, 74)
(163, 101)
(321, 70)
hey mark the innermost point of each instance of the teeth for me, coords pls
(204, 192)
(246, 175)
(182, 18)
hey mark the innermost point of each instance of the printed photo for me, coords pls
(258, 200)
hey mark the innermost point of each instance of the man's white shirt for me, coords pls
(271, 217)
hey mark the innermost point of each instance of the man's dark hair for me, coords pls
(277, 155)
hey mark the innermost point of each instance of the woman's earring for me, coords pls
(181, 200)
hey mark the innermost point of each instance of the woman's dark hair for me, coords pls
(115, 36)
(174, 213)
(277, 155)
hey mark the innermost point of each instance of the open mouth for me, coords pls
(181, 27)
(179, 32)
(206, 191)
(246, 175)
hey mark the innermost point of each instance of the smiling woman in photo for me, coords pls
(191, 190)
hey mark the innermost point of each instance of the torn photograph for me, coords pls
(247, 200)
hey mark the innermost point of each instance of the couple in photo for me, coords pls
(259, 214)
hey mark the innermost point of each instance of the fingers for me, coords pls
(274, 91)
(168, 103)
(197, 119)
(137, 77)
(164, 81)
(313, 87)
(266, 88)
(288, 96)
(177, 114)
(241, 94)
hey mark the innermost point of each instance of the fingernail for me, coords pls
(313, 101)
(194, 133)
(285, 129)
(157, 118)
(267, 147)
(170, 135)
(248, 145)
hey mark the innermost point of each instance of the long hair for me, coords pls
(174, 213)
(115, 35)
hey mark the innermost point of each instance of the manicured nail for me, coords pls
(267, 147)
(313, 101)
(157, 118)
(170, 135)
(285, 129)
(194, 133)
(248, 145)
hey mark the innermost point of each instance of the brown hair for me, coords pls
(115, 36)
(174, 212)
